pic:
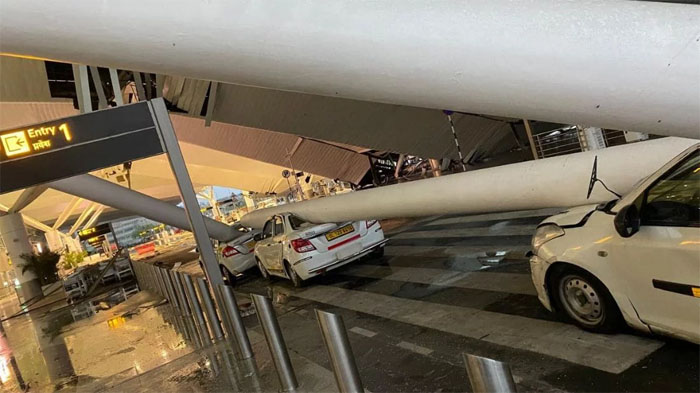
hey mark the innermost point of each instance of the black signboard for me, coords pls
(88, 233)
(96, 241)
(75, 145)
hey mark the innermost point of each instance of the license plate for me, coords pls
(339, 232)
(250, 244)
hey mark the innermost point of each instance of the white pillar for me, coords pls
(14, 235)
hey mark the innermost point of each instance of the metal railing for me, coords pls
(204, 317)
(558, 142)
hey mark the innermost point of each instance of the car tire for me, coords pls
(377, 252)
(293, 276)
(229, 278)
(263, 272)
(581, 298)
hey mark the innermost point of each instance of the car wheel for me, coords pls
(263, 271)
(584, 300)
(292, 274)
(229, 278)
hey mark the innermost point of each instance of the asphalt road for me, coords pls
(443, 289)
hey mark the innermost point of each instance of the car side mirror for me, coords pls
(627, 221)
(258, 237)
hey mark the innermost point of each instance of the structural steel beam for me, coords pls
(94, 217)
(81, 218)
(34, 223)
(110, 194)
(27, 196)
(67, 212)
(626, 65)
(552, 182)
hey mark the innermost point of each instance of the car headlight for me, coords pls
(544, 234)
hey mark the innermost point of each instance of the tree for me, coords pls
(43, 265)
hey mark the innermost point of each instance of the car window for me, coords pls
(279, 227)
(674, 199)
(267, 230)
(298, 223)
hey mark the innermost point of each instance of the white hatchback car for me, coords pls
(298, 250)
(635, 259)
(237, 256)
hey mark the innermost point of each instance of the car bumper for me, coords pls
(238, 265)
(538, 272)
(321, 263)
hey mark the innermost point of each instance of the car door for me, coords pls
(276, 244)
(262, 248)
(662, 260)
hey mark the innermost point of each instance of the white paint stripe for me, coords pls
(495, 230)
(415, 348)
(363, 332)
(442, 252)
(610, 353)
(499, 282)
(497, 216)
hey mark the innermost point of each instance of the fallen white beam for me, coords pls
(552, 182)
(628, 65)
(98, 190)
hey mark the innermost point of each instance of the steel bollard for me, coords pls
(275, 342)
(488, 375)
(159, 280)
(171, 290)
(161, 275)
(339, 352)
(180, 292)
(235, 322)
(151, 278)
(196, 309)
(212, 317)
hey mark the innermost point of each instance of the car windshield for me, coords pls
(298, 223)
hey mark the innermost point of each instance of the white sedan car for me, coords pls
(237, 256)
(633, 260)
(298, 250)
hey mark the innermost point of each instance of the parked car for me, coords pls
(237, 256)
(635, 259)
(292, 248)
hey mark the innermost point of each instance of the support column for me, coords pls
(14, 235)
(530, 139)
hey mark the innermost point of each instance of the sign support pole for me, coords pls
(189, 199)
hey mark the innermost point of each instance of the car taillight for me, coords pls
(229, 251)
(370, 223)
(302, 245)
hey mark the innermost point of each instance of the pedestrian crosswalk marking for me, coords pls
(415, 348)
(363, 332)
(499, 282)
(610, 353)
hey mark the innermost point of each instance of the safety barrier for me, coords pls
(205, 315)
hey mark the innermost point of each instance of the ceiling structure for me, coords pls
(255, 134)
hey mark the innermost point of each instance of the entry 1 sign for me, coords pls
(75, 145)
